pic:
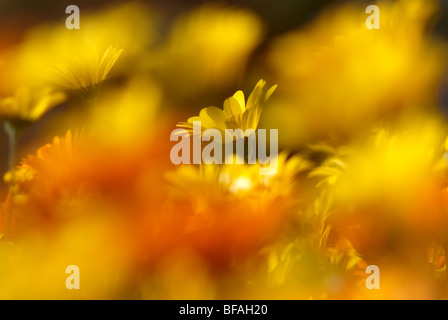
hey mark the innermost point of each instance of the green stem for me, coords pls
(12, 145)
(12, 135)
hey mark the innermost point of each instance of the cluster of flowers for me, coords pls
(361, 179)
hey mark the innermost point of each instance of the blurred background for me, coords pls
(362, 173)
(271, 21)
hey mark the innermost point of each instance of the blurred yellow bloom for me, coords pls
(86, 72)
(208, 48)
(389, 194)
(304, 264)
(56, 160)
(48, 44)
(236, 113)
(393, 167)
(238, 180)
(35, 269)
(337, 77)
(30, 104)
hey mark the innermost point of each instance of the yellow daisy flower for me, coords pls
(237, 114)
(211, 181)
(53, 160)
(388, 167)
(29, 105)
(85, 73)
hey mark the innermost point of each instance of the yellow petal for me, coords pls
(213, 117)
(255, 96)
(270, 92)
(232, 107)
(239, 96)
